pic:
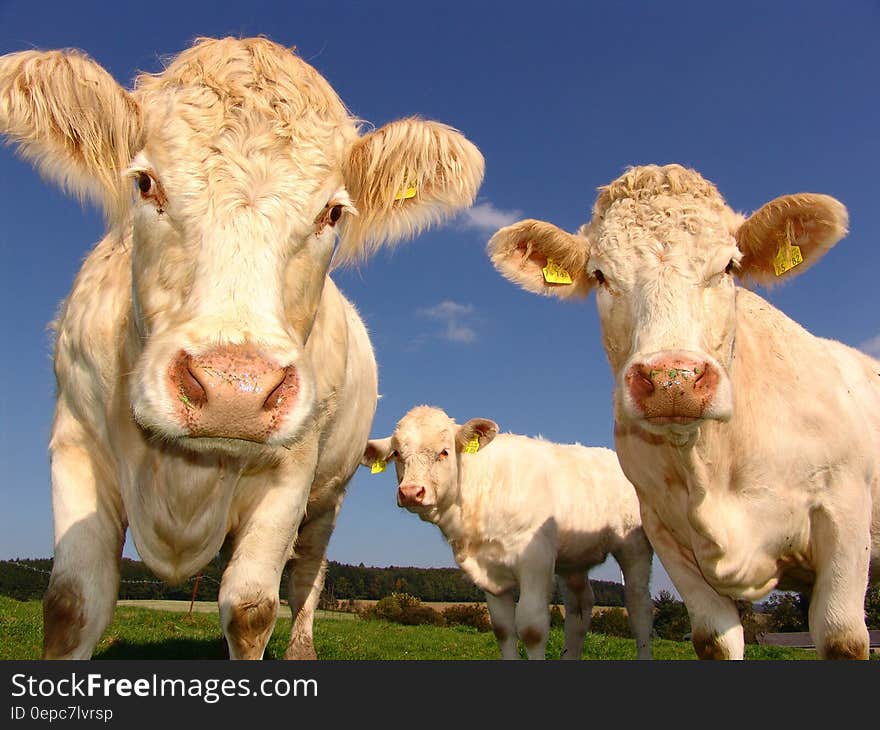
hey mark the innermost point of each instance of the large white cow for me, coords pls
(753, 445)
(215, 389)
(516, 510)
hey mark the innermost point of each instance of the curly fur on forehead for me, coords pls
(232, 76)
(648, 181)
(423, 424)
(242, 120)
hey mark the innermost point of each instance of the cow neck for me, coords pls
(461, 521)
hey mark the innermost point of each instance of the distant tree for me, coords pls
(872, 607)
(788, 611)
(671, 620)
(612, 622)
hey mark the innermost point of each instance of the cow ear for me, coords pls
(73, 121)
(477, 432)
(403, 178)
(788, 235)
(542, 258)
(377, 450)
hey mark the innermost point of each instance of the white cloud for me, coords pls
(486, 218)
(453, 315)
(872, 346)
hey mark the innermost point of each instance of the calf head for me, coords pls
(230, 175)
(426, 448)
(661, 251)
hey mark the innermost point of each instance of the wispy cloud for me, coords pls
(486, 218)
(454, 318)
(872, 346)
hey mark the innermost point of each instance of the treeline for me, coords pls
(27, 578)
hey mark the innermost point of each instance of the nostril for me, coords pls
(420, 494)
(646, 374)
(286, 387)
(192, 389)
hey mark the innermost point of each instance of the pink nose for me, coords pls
(231, 392)
(672, 387)
(410, 495)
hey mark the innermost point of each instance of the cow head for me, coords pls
(231, 175)
(662, 251)
(426, 448)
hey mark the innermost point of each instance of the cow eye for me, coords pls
(146, 184)
(599, 276)
(443, 454)
(335, 214)
(729, 268)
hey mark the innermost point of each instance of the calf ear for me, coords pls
(403, 178)
(72, 120)
(812, 222)
(530, 252)
(377, 450)
(482, 429)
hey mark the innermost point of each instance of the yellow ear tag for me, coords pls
(378, 467)
(473, 446)
(406, 192)
(555, 274)
(788, 256)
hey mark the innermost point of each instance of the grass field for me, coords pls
(139, 633)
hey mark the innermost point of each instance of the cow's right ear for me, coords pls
(542, 258)
(377, 450)
(73, 121)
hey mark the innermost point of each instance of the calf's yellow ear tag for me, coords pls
(555, 274)
(408, 190)
(473, 446)
(378, 466)
(788, 256)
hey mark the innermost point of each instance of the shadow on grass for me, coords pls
(171, 649)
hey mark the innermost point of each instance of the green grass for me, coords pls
(138, 633)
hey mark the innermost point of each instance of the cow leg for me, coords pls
(258, 552)
(578, 597)
(715, 624)
(306, 582)
(89, 533)
(502, 611)
(841, 551)
(533, 609)
(634, 559)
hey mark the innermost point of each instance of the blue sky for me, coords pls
(762, 98)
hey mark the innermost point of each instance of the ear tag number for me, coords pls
(788, 256)
(555, 274)
(473, 446)
(408, 191)
(378, 467)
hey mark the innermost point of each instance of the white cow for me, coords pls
(518, 510)
(752, 444)
(215, 388)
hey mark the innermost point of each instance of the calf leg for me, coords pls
(578, 596)
(532, 609)
(89, 533)
(502, 611)
(306, 583)
(841, 551)
(634, 559)
(715, 623)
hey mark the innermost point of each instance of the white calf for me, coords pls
(518, 511)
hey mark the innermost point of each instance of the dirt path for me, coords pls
(211, 607)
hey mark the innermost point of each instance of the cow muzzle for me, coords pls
(231, 392)
(410, 495)
(676, 388)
